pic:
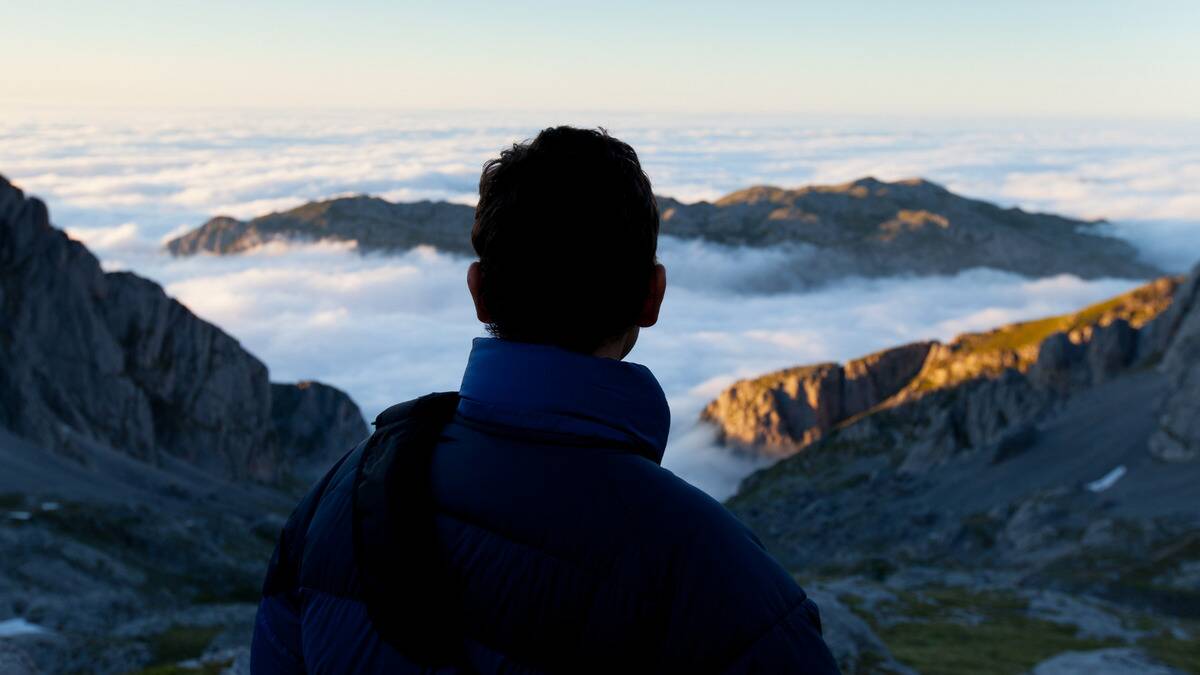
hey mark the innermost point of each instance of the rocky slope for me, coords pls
(146, 464)
(1178, 435)
(867, 227)
(108, 357)
(1025, 502)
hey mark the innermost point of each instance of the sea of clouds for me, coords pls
(387, 328)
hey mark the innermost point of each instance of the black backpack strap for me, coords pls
(406, 583)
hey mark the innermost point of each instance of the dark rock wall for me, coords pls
(316, 424)
(1178, 436)
(783, 412)
(111, 357)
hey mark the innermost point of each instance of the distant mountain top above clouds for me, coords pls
(373, 223)
(864, 228)
(875, 228)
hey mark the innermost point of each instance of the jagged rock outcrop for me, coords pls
(109, 357)
(1178, 435)
(867, 227)
(975, 390)
(316, 424)
(782, 412)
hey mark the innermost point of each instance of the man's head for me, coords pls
(566, 230)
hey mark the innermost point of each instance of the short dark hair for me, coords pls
(566, 230)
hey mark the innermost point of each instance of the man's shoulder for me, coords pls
(704, 558)
(678, 514)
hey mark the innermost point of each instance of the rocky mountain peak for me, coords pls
(110, 358)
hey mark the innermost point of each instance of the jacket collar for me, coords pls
(545, 388)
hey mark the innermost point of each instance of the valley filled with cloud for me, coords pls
(387, 328)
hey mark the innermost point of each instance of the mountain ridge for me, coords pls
(864, 227)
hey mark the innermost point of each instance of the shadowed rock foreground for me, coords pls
(864, 228)
(146, 464)
(1012, 500)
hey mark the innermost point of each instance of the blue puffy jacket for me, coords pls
(538, 534)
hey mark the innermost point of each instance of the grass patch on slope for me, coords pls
(947, 631)
(1016, 345)
(181, 643)
(1181, 654)
(1137, 307)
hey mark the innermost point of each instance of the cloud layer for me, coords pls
(166, 171)
(389, 328)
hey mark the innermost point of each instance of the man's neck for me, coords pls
(618, 348)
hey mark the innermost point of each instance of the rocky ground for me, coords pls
(146, 465)
(111, 566)
(1026, 502)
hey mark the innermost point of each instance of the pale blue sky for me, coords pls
(970, 58)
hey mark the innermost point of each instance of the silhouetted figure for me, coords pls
(523, 524)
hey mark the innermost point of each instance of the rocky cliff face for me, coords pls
(145, 465)
(111, 357)
(316, 425)
(997, 380)
(867, 227)
(1178, 436)
(780, 413)
(108, 357)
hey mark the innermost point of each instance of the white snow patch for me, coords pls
(1107, 480)
(19, 626)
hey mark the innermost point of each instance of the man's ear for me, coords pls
(475, 285)
(654, 298)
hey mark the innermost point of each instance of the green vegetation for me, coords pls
(214, 668)
(181, 643)
(1009, 645)
(1016, 345)
(1181, 654)
(211, 561)
(1137, 307)
(947, 630)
